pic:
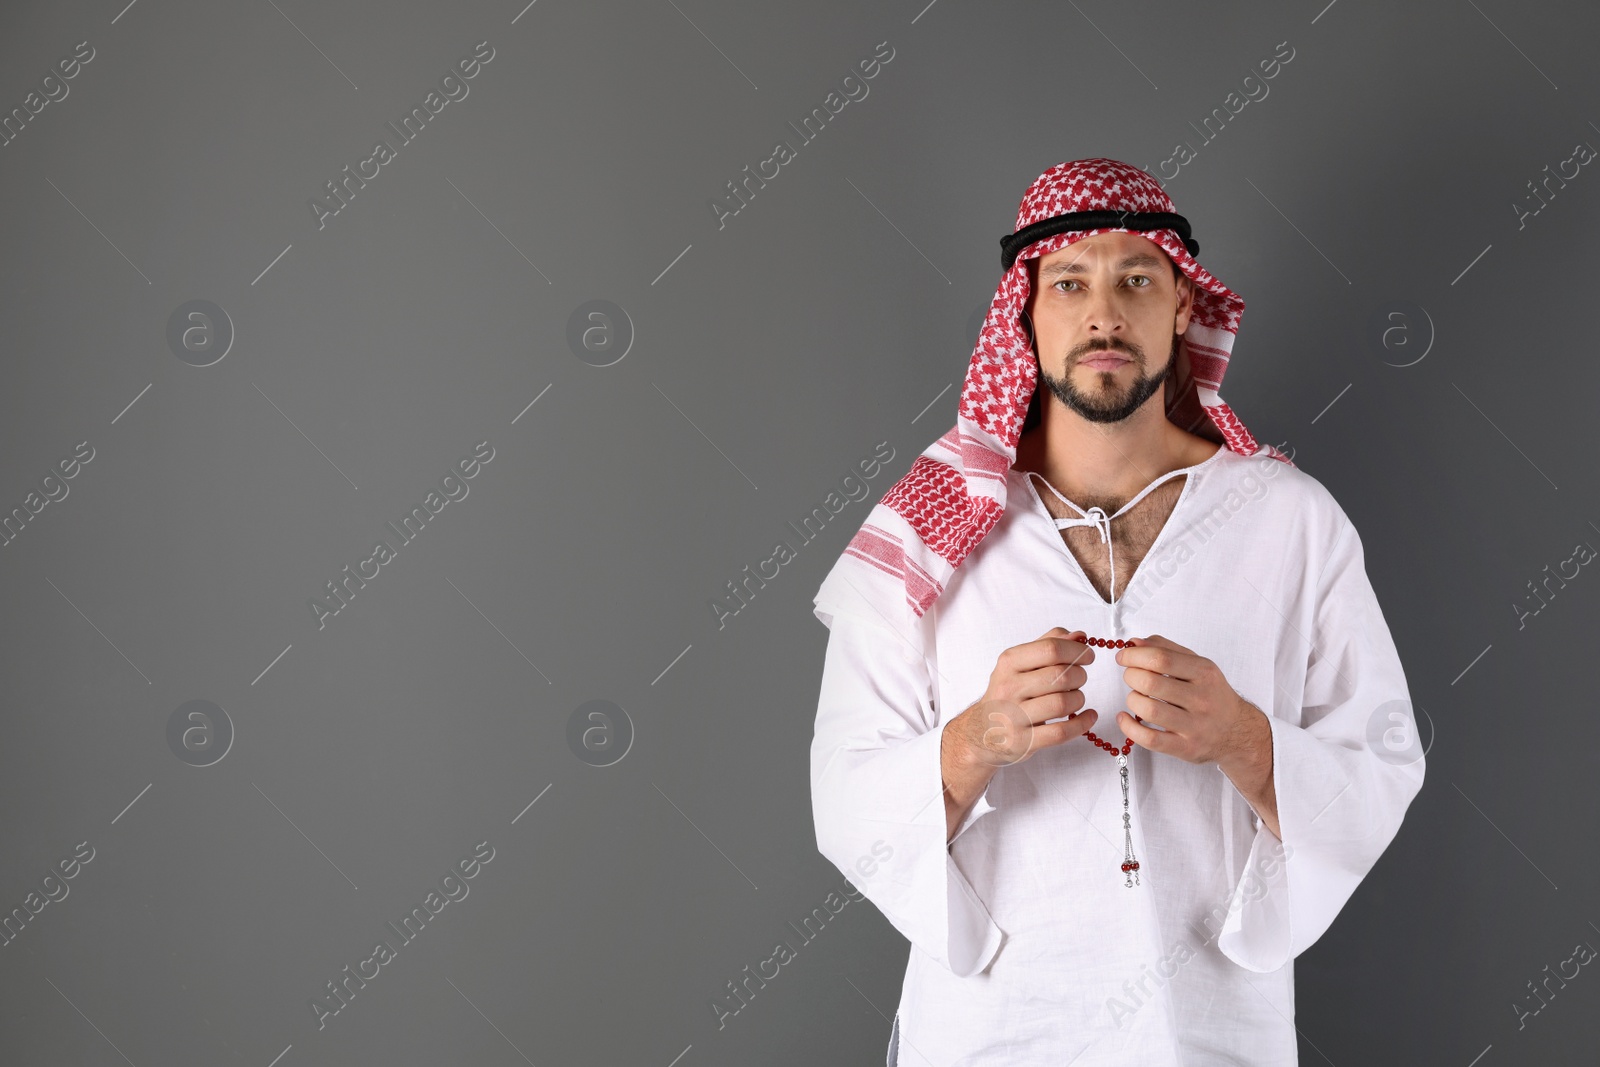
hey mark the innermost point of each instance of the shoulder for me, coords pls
(1281, 478)
(1304, 506)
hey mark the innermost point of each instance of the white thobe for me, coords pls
(1026, 945)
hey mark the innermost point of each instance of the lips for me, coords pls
(1105, 362)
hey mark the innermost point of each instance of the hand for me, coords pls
(1201, 718)
(1031, 683)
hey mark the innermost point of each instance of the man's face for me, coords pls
(1104, 309)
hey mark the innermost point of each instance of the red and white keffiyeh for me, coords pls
(928, 521)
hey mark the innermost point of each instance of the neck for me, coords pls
(1094, 461)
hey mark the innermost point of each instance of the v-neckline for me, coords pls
(1038, 501)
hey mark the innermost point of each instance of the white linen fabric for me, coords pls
(1026, 946)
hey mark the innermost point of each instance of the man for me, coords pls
(1113, 551)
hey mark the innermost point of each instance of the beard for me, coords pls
(1106, 401)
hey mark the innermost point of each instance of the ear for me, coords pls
(1185, 305)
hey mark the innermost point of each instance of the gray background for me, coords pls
(837, 310)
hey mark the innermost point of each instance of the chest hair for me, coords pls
(1132, 534)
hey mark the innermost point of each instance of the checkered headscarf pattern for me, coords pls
(955, 491)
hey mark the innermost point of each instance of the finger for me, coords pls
(1161, 687)
(1167, 658)
(1164, 642)
(1055, 678)
(1051, 734)
(1140, 734)
(1052, 649)
(1054, 704)
(1165, 716)
(1068, 651)
(1074, 653)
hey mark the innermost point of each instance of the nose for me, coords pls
(1103, 316)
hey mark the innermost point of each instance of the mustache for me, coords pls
(1085, 350)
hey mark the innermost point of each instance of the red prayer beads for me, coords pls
(1127, 744)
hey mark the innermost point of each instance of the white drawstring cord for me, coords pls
(1097, 518)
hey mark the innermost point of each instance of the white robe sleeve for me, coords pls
(877, 788)
(1344, 776)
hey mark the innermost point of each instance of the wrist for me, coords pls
(1250, 760)
(964, 769)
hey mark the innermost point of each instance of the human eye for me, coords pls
(1143, 278)
(1064, 281)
